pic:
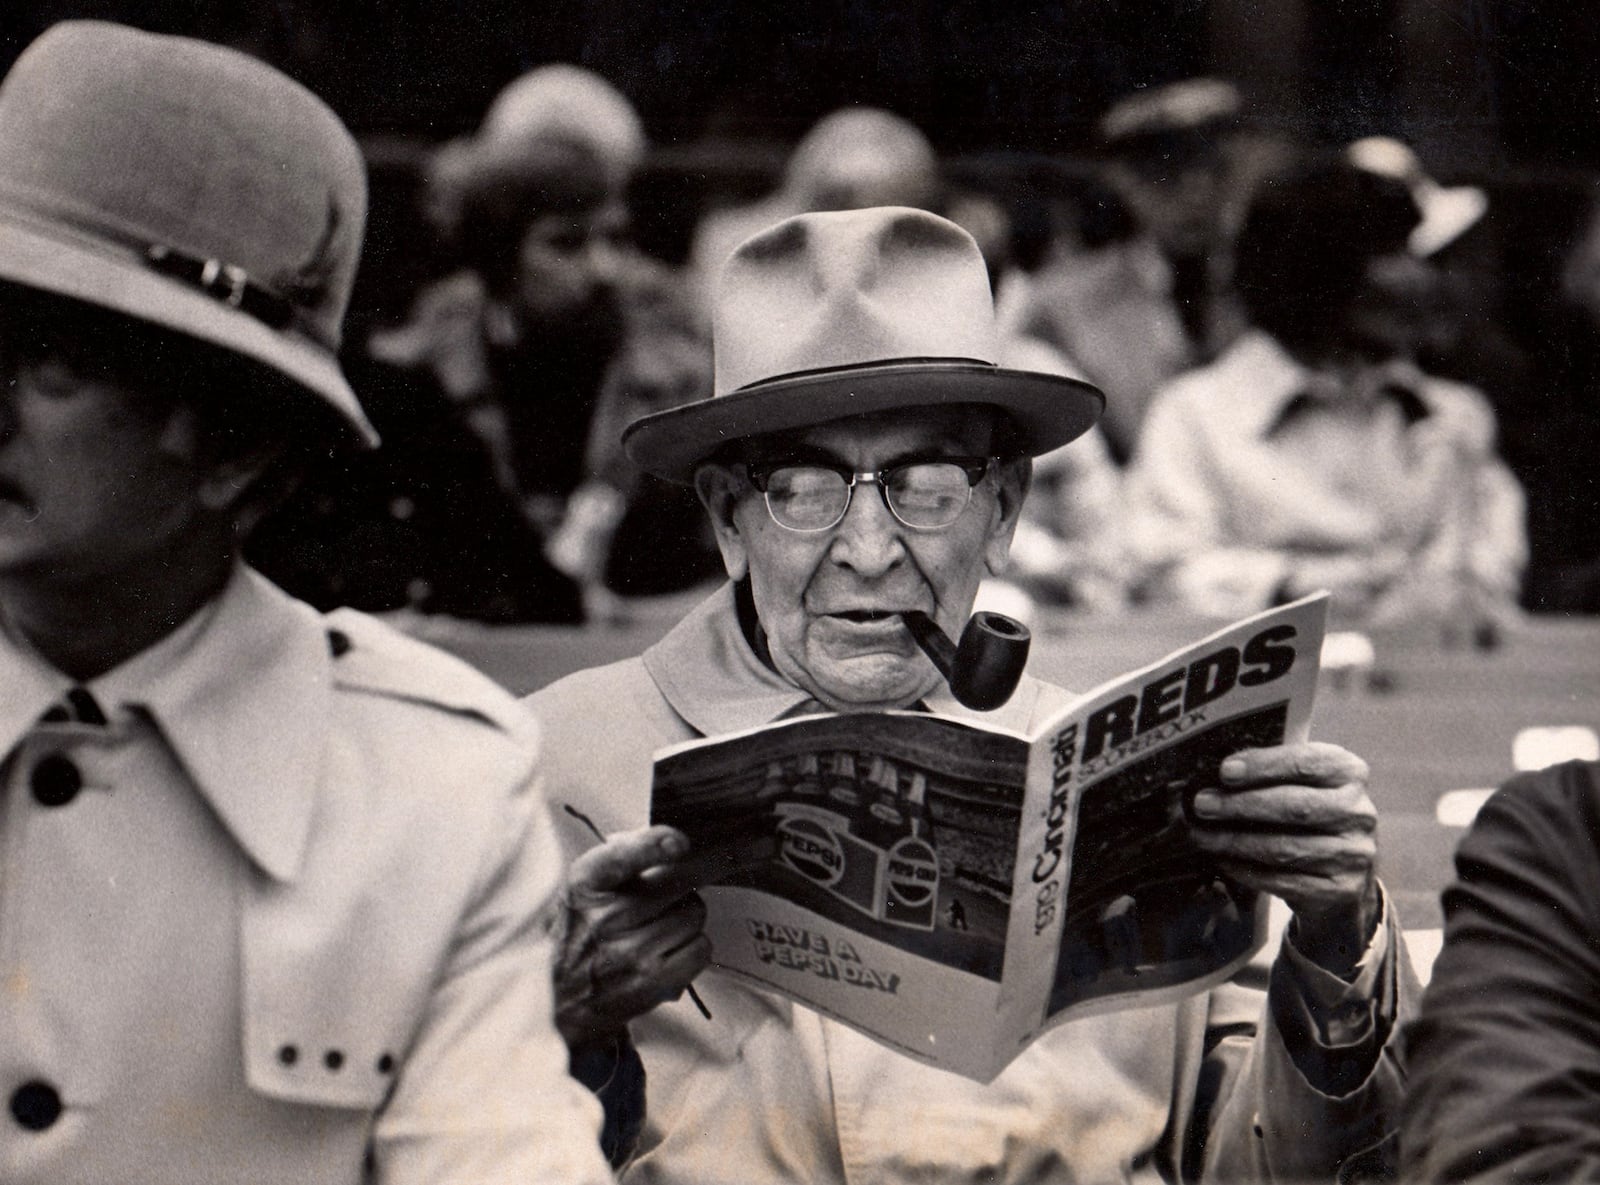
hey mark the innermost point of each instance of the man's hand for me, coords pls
(630, 933)
(1296, 821)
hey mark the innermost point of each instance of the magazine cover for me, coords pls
(953, 889)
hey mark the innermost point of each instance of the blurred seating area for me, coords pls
(553, 191)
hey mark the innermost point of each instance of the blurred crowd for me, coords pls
(1318, 372)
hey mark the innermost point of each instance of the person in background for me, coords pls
(850, 159)
(273, 881)
(1068, 548)
(867, 451)
(1314, 452)
(1503, 1085)
(502, 398)
(1135, 286)
(1097, 290)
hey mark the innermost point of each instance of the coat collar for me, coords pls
(707, 672)
(1268, 387)
(240, 692)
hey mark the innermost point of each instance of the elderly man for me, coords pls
(855, 354)
(271, 881)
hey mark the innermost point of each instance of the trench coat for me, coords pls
(1240, 1083)
(268, 913)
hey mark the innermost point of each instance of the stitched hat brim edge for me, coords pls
(1047, 410)
(110, 277)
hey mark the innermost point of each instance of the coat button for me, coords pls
(35, 1105)
(55, 781)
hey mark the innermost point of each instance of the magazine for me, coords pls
(954, 889)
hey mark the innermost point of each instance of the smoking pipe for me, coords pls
(984, 668)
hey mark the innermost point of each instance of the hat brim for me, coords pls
(1447, 214)
(1047, 410)
(98, 273)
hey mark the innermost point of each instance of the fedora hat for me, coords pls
(189, 186)
(838, 314)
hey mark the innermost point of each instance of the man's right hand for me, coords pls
(629, 935)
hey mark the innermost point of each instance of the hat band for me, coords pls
(228, 283)
(910, 362)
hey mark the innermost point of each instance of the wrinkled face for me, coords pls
(827, 599)
(93, 475)
(567, 265)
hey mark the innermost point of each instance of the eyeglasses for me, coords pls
(923, 495)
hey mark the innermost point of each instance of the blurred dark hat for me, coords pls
(189, 186)
(1309, 234)
(1448, 212)
(831, 315)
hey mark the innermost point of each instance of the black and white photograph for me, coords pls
(419, 420)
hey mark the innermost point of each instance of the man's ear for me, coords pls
(1013, 478)
(224, 484)
(720, 489)
(228, 485)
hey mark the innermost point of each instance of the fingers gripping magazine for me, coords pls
(953, 889)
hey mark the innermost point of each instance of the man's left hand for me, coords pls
(1296, 821)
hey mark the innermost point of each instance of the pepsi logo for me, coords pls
(913, 872)
(811, 849)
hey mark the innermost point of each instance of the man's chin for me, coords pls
(872, 681)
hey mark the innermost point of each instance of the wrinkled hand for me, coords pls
(630, 933)
(1296, 821)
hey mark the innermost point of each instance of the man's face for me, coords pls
(1177, 190)
(827, 599)
(91, 481)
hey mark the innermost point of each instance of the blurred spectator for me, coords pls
(850, 159)
(1466, 332)
(1100, 293)
(1502, 1057)
(1314, 452)
(1173, 153)
(501, 400)
(558, 101)
(1068, 548)
(1136, 288)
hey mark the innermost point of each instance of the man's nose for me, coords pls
(868, 540)
(605, 258)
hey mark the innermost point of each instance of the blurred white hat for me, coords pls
(1447, 212)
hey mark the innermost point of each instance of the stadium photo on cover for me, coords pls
(906, 833)
(1145, 908)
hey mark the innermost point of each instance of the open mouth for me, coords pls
(862, 616)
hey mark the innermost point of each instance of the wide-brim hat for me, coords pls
(831, 315)
(189, 186)
(1448, 211)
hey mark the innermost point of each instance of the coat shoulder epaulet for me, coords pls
(372, 657)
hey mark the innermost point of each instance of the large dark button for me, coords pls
(55, 780)
(35, 1105)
